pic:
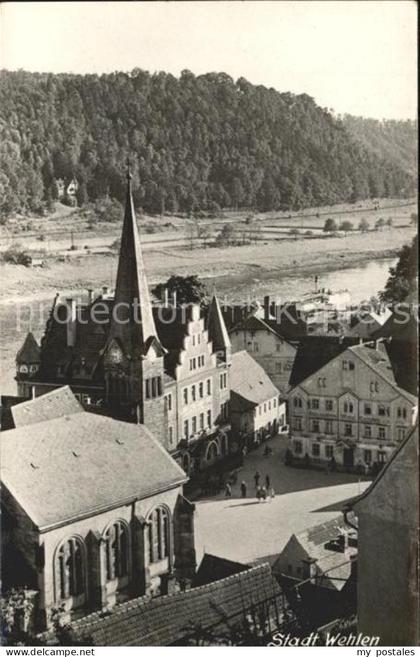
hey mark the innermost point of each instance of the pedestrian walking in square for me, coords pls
(272, 493)
(228, 490)
(257, 478)
(243, 489)
(267, 482)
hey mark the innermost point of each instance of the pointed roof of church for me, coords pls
(216, 326)
(29, 351)
(133, 322)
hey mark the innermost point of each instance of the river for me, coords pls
(362, 282)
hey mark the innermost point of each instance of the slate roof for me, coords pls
(216, 326)
(131, 286)
(314, 352)
(81, 464)
(213, 568)
(51, 405)
(390, 359)
(6, 404)
(397, 328)
(30, 351)
(167, 620)
(383, 357)
(91, 338)
(249, 380)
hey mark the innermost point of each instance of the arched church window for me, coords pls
(116, 551)
(158, 534)
(71, 569)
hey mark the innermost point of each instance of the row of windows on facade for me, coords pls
(194, 392)
(280, 366)
(263, 407)
(348, 407)
(328, 450)
(194, 424)
(197, 362)
(195, 339)
(71, 566)
(254, 346)
(329, 428)
(120, 386)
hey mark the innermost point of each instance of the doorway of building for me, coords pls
(348, 457)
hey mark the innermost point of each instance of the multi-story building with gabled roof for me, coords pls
(351, 410)
(166, 366)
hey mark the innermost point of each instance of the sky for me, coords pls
(356, 57)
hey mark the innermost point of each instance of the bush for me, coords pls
(16, 256)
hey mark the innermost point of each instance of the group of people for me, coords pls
(262, 492)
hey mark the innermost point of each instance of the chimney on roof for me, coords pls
(165, 297)
(309, 568)
(71, 322)
(90, 295)
(266, 307)
(104, 290)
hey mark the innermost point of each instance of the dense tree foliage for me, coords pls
(396, 141)
(188, 289)
(197, 142)
(402, 279)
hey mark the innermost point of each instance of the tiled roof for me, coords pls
(213, 568)
(80, 464)
(29, 351)
(335, 564)
(51, 405)
(249, 380)
(170, 619)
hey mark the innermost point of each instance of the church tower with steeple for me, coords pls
(133, 355)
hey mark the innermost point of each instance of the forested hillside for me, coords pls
(202, 142)
(395, 141)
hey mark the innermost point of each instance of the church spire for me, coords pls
(132, 320)
(217, 328)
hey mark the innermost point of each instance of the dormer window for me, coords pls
(23, 369)
(348, 407)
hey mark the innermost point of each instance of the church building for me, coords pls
(165, 366)
(92, 510)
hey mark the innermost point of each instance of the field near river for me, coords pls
(238, 271)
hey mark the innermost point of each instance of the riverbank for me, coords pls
(228, 267)
(282, 269)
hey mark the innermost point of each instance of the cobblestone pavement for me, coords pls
(247, 530)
